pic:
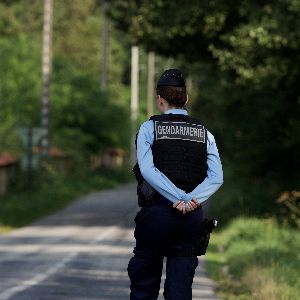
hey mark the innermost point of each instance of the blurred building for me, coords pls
(7, 163)
(110, 158)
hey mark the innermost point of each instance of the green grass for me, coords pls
(22, 206)
(244, 196)
(256, 259)
(4, 229)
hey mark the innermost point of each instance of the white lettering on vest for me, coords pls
(180, 130)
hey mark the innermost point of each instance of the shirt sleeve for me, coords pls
(214, 178)
(150, 173)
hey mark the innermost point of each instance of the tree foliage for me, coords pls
(244, 57)
(81, 117)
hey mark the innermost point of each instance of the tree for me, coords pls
(244, 57)
(77, 107)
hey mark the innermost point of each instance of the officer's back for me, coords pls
(178, 159)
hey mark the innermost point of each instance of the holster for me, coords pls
(197, 245)
(147, 195)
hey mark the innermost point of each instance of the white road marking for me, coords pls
(41, 277)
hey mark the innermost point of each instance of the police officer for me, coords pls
(179, 158)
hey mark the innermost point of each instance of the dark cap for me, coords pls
(171, 77)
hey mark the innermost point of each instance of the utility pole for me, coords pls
(189, 87)
(134, 97)
(150, 83)
(105, 46)
(46, 71)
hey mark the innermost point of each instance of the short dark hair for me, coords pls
(174, 95)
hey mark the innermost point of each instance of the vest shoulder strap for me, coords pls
(135, 140)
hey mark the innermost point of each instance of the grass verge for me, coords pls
(255, 259)
(19, 208)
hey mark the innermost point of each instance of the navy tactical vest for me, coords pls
(180, 149)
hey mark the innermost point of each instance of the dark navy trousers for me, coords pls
(159, 227)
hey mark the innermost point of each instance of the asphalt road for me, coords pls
(79, 253)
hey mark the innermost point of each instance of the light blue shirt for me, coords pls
(161, 183)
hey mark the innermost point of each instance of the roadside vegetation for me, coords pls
(256, 259)
(255, 252)
(54, 191)
(84, 122)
